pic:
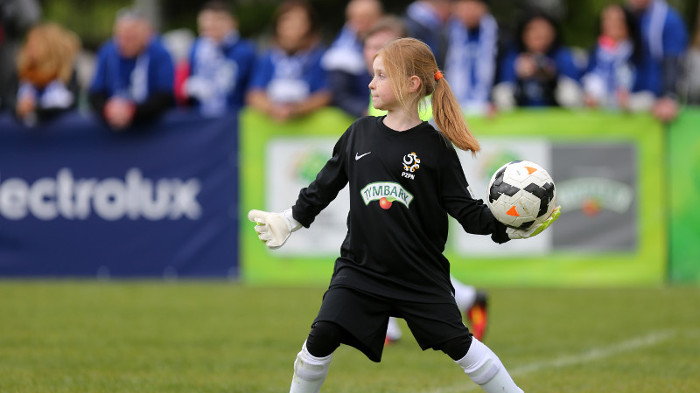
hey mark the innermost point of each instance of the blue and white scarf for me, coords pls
(658, 10)
(288, 84)
(470, 68)
(613, 72)
(213, 76)
(136, 88)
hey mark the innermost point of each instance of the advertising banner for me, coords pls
(596, 188)
(607, 168)
(79, 200)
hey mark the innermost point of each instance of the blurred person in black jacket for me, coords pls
(16, 17)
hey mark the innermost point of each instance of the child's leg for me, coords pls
(393, 330)
(465, 295)
(481, 365)
(473, 303)
(311, 365)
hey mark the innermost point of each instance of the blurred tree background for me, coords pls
(93, 19)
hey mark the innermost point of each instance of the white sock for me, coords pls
(309, 372)
(486, 369)
(465, 295)
(393, 330)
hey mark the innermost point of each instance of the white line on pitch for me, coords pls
(569, 360)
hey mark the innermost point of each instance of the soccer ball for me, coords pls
(521, 193)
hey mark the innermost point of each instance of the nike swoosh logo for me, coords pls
(358, 156)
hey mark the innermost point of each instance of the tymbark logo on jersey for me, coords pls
(386, 192)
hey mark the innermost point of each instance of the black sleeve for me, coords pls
(322, 191)
(46, 114)
(671, 69)
(473, 214)
(98, 100)
(153, 106)
(341, 84)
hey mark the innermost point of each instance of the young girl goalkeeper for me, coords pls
(404, 178)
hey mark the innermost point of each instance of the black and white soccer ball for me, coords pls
(521, 194)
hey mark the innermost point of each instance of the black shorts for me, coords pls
(365, 317)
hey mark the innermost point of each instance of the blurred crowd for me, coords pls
(644, 60)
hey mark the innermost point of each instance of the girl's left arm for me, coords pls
(455, 197)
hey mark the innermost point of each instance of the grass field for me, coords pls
(88, 336)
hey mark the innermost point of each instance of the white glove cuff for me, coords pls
(292, 224)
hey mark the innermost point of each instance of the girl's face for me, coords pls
(538, 35)
(292, 29)
(613, 23)
(381, 88)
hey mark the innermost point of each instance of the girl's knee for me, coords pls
(457, 347)
(324, 338)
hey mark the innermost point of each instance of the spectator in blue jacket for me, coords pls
(134, 76)
(220, 63)
(470, 66)
(539, 71)
(347, 74)
(664, 42)
(612, 78)
(288, 80)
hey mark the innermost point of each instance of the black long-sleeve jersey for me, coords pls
(402, 186)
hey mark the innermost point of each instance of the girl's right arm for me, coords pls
(322, 191)
(275, 228)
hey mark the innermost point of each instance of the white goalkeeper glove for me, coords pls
(274, 228)
(535, 230)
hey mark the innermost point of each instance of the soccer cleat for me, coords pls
(477, 316)
(390, 341)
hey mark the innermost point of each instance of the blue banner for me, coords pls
(77, 199)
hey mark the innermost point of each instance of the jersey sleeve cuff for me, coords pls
(499, 234)
(300, 218)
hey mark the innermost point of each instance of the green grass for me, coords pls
(165, 337)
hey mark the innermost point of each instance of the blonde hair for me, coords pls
(48, 54)
(407, 57)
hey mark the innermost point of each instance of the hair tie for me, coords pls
(438, 75)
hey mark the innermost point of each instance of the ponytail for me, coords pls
(449, 118)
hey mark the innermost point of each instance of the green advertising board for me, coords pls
(633, 140)
(684, 175)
